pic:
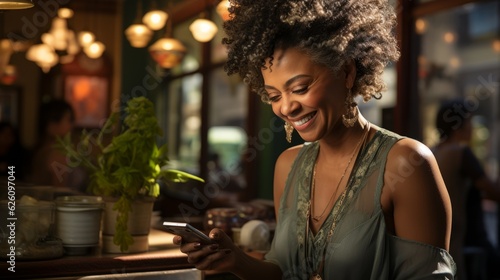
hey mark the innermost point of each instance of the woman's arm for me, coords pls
(224, 256)
(417, 193)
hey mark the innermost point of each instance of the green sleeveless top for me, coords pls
(360, 247)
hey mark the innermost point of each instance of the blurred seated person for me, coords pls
(461, 171)
(49, 165)
(12, 152)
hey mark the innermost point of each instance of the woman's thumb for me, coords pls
(219, 236)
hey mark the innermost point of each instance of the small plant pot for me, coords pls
(138, 225)
(79, 223)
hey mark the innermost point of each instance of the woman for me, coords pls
(356, 201)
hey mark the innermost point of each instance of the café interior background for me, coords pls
(449, 49)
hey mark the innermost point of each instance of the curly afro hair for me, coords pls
(331, 32)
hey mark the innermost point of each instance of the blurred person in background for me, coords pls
(49, 165)
(467, 184)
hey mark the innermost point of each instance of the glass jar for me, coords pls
(29, 229)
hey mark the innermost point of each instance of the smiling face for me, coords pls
(306, 94)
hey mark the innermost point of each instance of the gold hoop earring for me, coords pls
(288, 131)
(351, 117)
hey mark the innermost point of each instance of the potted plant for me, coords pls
(129, 167)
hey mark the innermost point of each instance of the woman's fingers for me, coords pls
(214, 260)
(177, 240)
(209, 256)
(202, 252)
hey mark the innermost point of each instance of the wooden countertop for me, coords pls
(162, 255)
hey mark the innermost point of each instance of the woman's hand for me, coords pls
(220, 255)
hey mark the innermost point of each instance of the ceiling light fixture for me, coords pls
(155, 19)
(223, 9)
(203, 30)
(138, 34)
(60, 45)
(167, 52)
(15, 4)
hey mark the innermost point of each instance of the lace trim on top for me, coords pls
(358, 172)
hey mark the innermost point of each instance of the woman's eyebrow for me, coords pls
(290, 81)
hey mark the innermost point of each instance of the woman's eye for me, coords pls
(300, 90)
(274, 98)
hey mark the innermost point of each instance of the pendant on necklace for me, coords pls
(315, 276)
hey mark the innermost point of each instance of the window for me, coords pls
(204, 111)
(458, 55)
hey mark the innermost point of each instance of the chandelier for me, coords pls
(60, 44)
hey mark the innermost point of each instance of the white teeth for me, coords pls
(304, 120)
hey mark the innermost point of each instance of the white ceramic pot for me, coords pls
(79, 221)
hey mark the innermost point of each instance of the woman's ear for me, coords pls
(350, 73)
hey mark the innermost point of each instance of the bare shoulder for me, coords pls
(407, 156)
(288, 156)
(420, 201)
(282, 168)
(411, 165)
(284, 163)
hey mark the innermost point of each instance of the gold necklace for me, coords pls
(317, 274)
(316, 219)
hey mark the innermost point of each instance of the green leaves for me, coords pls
(122, 237)
(178, 176)
(130, 165)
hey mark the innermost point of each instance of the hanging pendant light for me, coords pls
(223, 9)
(138, 34)
(15, 4)
(155, 19)
(203, 30)
(167, 52)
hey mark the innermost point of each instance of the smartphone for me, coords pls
(188, 232)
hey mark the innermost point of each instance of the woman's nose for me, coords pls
(289, 106)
